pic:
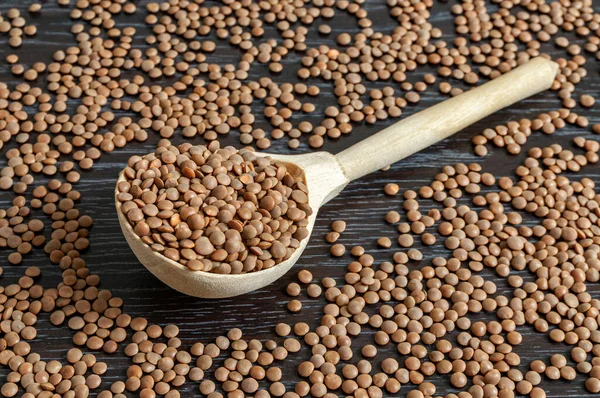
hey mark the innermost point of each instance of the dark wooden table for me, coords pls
(362, 204)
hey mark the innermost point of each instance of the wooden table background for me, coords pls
(362, 204)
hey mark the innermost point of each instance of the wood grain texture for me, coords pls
(362, 205)
(423, 129)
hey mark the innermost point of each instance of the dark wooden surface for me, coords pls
(362, 205)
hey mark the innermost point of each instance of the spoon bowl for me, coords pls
(324, 178)
(325, 175)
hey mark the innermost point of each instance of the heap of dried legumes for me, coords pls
(520, 259)
(215, 210)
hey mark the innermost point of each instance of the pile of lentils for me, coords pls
(215, 210)
(403, 325)
(430, 313)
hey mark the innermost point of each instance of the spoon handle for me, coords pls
(433, 124)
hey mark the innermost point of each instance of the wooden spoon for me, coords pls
(326, 175)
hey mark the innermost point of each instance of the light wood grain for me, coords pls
(434, 124)
(326, 175)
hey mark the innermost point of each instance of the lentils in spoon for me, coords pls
(215, 209)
